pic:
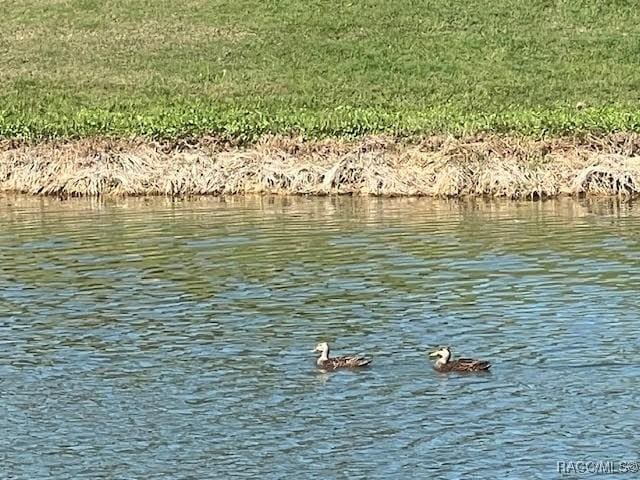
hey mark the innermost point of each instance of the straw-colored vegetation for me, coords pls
(435, 166)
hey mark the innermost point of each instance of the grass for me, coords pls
(163, 69)
(445, 167)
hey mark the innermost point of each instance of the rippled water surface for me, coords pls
(159, 339)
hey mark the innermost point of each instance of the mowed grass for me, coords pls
(317, 68)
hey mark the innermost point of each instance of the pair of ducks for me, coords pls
(442, 364)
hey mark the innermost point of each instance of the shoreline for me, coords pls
(492, 166)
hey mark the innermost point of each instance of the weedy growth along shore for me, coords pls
(513, 167)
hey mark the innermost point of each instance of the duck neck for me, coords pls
(441, 361)
(324, 355)
(444, 359)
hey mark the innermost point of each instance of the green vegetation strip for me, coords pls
(243, 69)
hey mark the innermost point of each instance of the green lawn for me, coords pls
(318, 67)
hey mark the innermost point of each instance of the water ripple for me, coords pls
(146, 337)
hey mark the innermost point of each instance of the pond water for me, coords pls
(150, 338)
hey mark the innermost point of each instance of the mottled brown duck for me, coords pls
(444, 363)
(326, 362)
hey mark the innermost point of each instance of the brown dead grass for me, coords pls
(436, 166)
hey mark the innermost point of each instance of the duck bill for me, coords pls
(434, 354)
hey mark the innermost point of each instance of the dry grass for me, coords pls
(444, 167)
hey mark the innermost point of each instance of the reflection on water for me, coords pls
(173, 338)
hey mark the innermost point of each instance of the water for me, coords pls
(159, 339)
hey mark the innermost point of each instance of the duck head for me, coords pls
(323, 348)
(443, 354)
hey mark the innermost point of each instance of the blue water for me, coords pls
(160, 339)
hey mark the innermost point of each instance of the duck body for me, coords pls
(343, 362)
(325, 362)
(464, 365)
(444, 363)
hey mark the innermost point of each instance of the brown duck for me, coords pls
(327, 363)
(445, 364)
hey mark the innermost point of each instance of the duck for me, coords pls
(327, 363)
(445, 364)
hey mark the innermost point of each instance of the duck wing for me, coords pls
(346, 362)
(469, 365)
